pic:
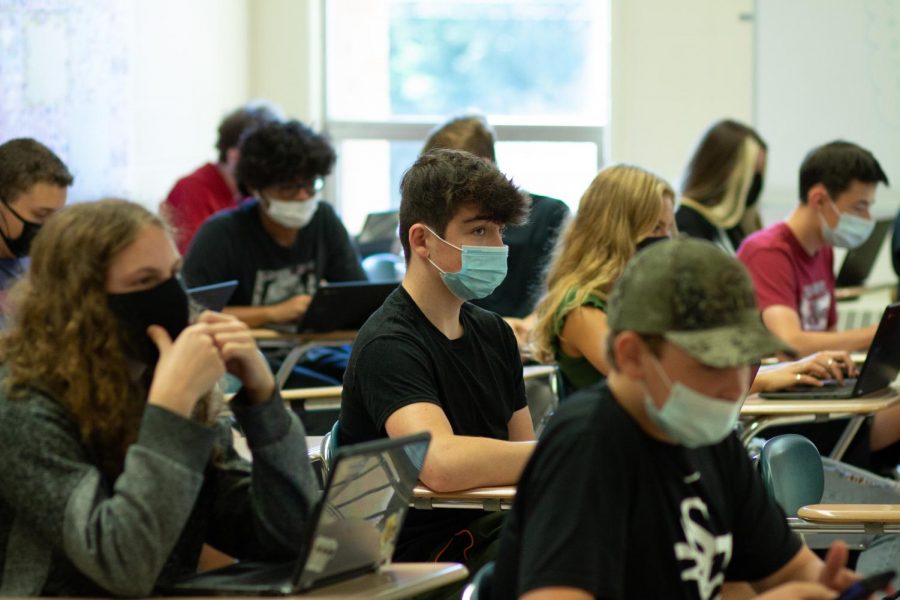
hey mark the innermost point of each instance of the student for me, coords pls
(622, 206)
(213, 187)
(282, 245)
(33, 185)
(791, 262)
(115, 468)
(429, 360)
(722, 184)
(639, 488)
(530, 244)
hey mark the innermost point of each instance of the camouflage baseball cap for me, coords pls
(697, 297)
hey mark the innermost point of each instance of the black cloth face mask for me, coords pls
(20, 246)
(165, 305)
(755, 189)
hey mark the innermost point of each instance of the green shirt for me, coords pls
(577, 370)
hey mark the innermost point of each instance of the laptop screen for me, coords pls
(366, 499)
(883, 359)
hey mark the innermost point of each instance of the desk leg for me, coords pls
(753, 428)
(287, 365)
(850, 431)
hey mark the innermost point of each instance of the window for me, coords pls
(538, 69)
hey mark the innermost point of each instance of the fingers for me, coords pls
(802, 379)
(160, 337)
(210, 317)
(835, 561)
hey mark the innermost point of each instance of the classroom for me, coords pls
(450, 298)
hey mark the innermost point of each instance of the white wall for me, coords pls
(188, 67)
(676, 67)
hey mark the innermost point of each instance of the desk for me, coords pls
(852, 518)
(392, 582)
(849, 293)
(758, 414)
(299, 343)
(489, 498)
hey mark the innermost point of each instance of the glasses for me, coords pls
(292, 190)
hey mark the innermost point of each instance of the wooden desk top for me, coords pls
(392, 582)
(851, 513)
(847, 293)
(755, 406)
(506, 492)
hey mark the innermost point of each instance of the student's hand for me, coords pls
(799, 590)
(810, 370)
(835, 573)
(289, 310)
(187, 368)
(241, 356)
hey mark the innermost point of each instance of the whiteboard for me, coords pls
(827, 69)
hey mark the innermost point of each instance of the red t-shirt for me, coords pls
(194, 199)
(784, 273)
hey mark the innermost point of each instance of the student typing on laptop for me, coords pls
(115, 468)
(428, 360)
(791, 262)
(284, 243)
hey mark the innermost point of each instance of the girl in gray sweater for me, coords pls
(114, 470)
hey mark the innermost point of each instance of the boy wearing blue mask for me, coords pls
(429, 360)
(791, 262)
(639, 488)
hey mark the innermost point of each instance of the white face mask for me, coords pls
(292, 214)
(850, 232)
(693, 419)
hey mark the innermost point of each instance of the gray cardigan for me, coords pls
(66, 529)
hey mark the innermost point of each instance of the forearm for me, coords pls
(284, 487)
(885, 429)
(807, 342)
(462, 462)
(253, 316)
(122, 541)
(804, 566)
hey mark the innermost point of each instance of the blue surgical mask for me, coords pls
(690, 418)
(850, 232)
(483, 269)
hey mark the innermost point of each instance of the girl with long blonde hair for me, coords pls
(622, 206)
(722, 184)
(115, 468)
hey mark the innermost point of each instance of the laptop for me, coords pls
(379, 233)
(878, 371)
(858, 262)
(353, 530)
(214, 296)
(344, 306)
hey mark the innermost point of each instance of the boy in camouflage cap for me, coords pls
(644, 469)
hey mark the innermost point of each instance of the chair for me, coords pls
(480, 586)
(330, 443)
(791, 470)
(384, 267)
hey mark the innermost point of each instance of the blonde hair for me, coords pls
(724, 202)
(63, 338)
(622, 204)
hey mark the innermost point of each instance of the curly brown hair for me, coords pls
(64, 340)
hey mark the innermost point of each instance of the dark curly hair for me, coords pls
(283, 154)
(442, 181)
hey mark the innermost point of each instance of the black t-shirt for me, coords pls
(530, 249)
(234, 245)
(399, 358)
(605, 508)
(695, 225)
